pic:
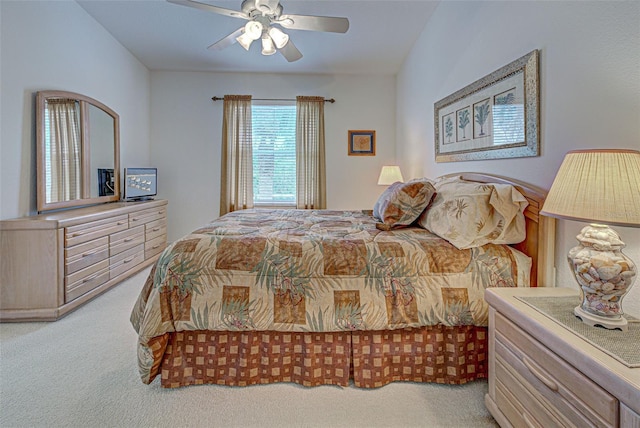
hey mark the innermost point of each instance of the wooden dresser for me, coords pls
(52, 263)
(542, 374)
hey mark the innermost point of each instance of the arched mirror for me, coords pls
(78, 146)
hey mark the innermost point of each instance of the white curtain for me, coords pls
(236, 192)
(64, 151)
(310, 156)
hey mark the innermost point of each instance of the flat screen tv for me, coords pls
(140, 183)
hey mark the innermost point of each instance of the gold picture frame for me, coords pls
(362, 143)
(496, 117)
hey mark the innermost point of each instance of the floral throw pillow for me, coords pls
(402, 203)
(469, 214)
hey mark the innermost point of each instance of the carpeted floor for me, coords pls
(81, 371)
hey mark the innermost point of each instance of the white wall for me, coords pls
(57, 45)
(187, 132)
(590, 89)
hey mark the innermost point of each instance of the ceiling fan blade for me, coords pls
(290, 52)
(314, 23)
(226, 41)
(210, 8)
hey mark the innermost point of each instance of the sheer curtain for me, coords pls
(310, 157)
(236, 191)
(63, 156)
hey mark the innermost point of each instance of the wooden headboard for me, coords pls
(541, 231)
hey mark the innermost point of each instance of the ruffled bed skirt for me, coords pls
(438, 354)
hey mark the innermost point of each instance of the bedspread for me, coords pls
(321, 271)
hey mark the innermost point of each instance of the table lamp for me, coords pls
(601, 187)
(389, 175)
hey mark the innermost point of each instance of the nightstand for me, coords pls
(542, 373)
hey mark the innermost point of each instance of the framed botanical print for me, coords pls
(495, 117)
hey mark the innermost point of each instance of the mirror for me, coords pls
(78, 150)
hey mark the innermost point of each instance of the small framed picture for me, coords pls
(362, 143)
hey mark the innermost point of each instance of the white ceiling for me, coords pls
(166, 36)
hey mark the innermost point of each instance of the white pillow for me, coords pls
(469, 214)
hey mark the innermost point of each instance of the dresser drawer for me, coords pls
(122, 241)
(82, 255)
(124, 261)
(75, 235)
(578, 398)
(155, 228)
(146, 216)
(155, 232)
(86, 279)
(155, 246)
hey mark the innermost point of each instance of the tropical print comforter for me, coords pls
(301, 270)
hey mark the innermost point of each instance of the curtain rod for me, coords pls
(330, 100)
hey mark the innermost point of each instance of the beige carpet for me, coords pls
(81, 372)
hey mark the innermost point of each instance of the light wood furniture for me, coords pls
(541, 374)
(54, 262)
(99, 137)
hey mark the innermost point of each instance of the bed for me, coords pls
(322, 297)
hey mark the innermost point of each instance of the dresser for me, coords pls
(52, 263)
(543, 374)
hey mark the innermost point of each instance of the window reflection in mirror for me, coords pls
(63, 150)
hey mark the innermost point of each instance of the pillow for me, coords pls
(402, 203)
(471, 214)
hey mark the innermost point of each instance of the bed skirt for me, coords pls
(437, 354)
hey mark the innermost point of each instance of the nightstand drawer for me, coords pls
(577, 397)
(520, 406)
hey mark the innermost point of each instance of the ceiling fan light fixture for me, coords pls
(253, 29)
(267, 45)
(245, 41)
(279, 37)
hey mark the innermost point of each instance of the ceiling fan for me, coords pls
(262, 16)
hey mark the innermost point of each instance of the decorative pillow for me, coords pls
(471, 214)
(402, 203)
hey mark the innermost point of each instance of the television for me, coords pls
(140, 183)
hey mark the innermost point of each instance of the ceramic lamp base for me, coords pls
(604, 274)
(595, 320)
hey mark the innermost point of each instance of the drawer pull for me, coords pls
(120, 223)
(541, 377)
(155, 229)
(129, 259)
(134, 219)
(128, 239)
(91, 253)
(92, 277)
(155, 246)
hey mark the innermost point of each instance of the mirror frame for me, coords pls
(85, 199)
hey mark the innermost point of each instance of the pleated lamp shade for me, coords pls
(597, 186)
(389, 175)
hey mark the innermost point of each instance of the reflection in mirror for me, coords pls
(101, 150)
(63, 150)
(78, 151)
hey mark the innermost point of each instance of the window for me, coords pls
(274, 154)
